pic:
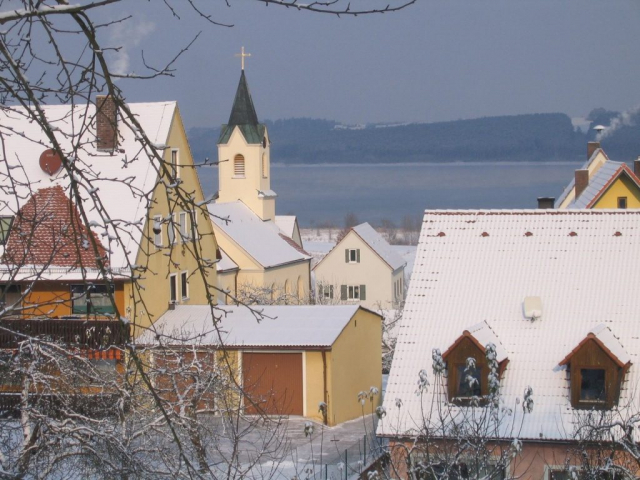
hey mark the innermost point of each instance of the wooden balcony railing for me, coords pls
(81, 333)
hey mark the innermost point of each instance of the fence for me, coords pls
(345, 463)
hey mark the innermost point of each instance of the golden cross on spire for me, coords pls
(242, 55)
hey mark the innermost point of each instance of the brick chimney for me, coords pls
(582, 181)
(106, 123)
(592, 147)
(636, 167)
(546, 202)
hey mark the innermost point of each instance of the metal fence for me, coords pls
(345, 463)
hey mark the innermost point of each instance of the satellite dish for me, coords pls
(50, 162)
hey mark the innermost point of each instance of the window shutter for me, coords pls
(343, 292)
(358, 255)
(346, 256)
(363, 292)
(331, 291)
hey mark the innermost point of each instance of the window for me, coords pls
(592, 385)
(183, 222)
(569, 473)
(467, 371)
(264, 166)
(326, 291)
(352, 255)
(353, 292)
(184, 285)
(469, 381)
(622, 202)
(157, 231)
(175, 164)
(429, 468)
(171, 229)
(91, 299)
(173, 288)
(238, 166)
(9, 295)
(596, 372)
(5, 227)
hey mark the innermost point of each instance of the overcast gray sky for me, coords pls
(437, 60)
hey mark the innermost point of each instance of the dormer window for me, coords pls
(596, 369)
(593, 385)
(469, 381)
(467, 365)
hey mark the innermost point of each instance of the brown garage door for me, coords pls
(272, 383)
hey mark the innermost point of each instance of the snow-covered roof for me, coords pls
(608, 341)
(483, 335)
(261, 240)
(225, 263)
(379, 245)
(29, 273)
(569, 189)
(475, 266)
(286, 224)
(597, 182)
(280, 326)
(124, 203)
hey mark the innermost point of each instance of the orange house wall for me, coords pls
(53, 299)
(533, 463)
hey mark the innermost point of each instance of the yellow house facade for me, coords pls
(602, 183)
(295, 359)
(156, 246)
(362, 268)
(267, 261)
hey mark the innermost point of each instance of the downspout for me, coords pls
(324, 386)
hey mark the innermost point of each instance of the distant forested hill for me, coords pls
(535, 137)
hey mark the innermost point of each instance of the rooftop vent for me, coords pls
(532, 308)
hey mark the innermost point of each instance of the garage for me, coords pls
(272, 383)
(286, 359)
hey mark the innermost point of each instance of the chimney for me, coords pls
(582, 181)
(636, 167)
(106, 123)
(546, 202)
(592, 147)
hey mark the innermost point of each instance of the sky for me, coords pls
(437, 60)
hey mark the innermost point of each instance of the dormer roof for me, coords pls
(244, 116)
(481, 335)
(605, 339)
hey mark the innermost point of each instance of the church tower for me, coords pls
(244, 156)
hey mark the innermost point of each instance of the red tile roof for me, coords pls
(48, 230)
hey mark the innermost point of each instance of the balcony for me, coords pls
(79, 332)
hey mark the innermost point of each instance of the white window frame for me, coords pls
(175, 162)
(173, 282)
(327, 292)
(157, 237)
(183, 227)
(171, 230)
(353, 255)
(353, 292)
(184, 285)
